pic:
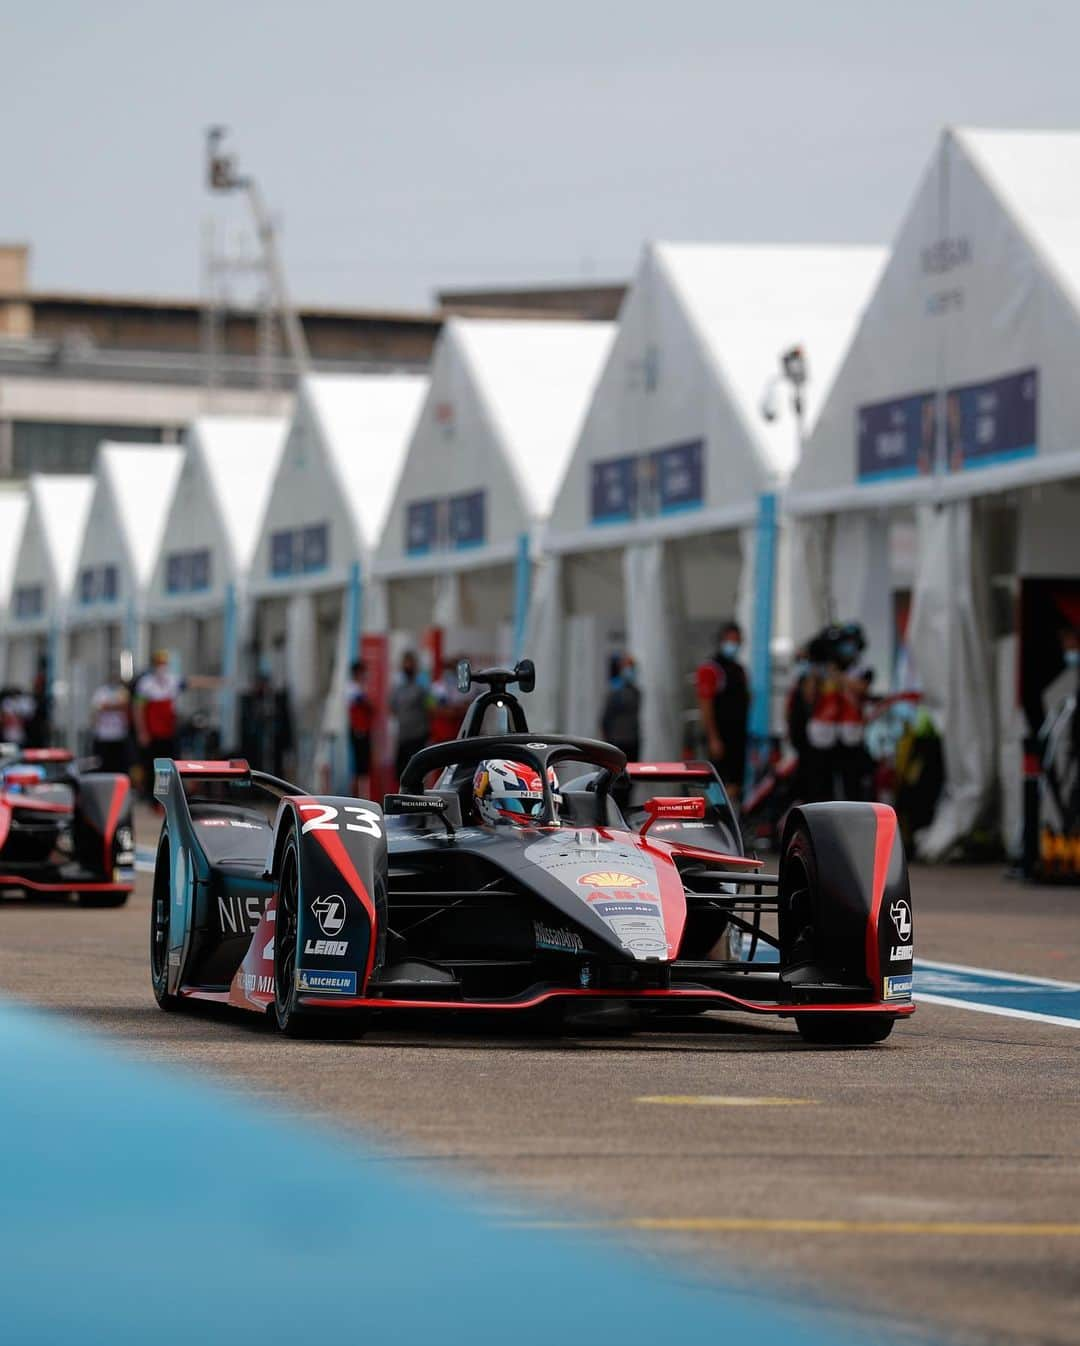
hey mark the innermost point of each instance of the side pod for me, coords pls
(341, 909)
(845, 901)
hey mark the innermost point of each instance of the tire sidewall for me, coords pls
(285, 1011)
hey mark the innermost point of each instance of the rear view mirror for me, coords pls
(525, 675)
(674, 807)
(419, 805)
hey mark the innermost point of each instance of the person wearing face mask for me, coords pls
(410, 707)
(620, 723)
(723, 693)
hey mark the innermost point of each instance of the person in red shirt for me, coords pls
(156, 693)
(361, 716)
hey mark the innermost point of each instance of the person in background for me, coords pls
(723, 693)
(361, 716)
(409, 706)
(156, 694)
(110, 719)
(800, 707)
(265, 725)
(16, 710)
(620, 723)
(39, 722)
(854, 768)
(448, 705)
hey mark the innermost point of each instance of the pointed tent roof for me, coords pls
(141, 479)
(700, 337)
(536, 379)
(365, 421)
(751, 302)
(342, 455)
(506, 405)
(971, 338)
(14, 504)
(59, 505)
(239, 456)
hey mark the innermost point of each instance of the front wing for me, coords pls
(688, 997)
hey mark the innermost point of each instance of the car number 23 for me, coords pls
(325, 819)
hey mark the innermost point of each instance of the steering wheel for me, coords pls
(536, 750)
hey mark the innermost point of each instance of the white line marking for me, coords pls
(1002, 1010)
(994, 972)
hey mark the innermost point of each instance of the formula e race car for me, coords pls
(65, 832)
(324, 911)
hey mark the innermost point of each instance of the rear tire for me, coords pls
(160, 918)
(844, 1030)
(289, 1018)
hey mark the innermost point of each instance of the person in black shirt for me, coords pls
(723, 692)
(621, 720)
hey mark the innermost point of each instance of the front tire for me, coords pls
(290, 1019)
(160, 920)
(844, 1030)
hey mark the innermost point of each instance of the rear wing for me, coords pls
(34, 755)
(188, 773)
(235, 766)
(670, 770)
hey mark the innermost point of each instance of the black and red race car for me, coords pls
(324, 912)
(65, 832)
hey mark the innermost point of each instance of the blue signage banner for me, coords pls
(187, 572)
(467, 520)
(680, 473)
(644, 485)
(315, 553)
(993, 422)
(613, 494)
(985, 423)
(450, 523)
(29, 600)
(281, 551)
(98, 584)
(299, 551)
(421, 527)
(896, 438)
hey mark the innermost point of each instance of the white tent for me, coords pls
(133, 490)
(506, 403)
(14, 503)
(42, 581)
(327, 505)
(197, 602)
(668, 505)
(957, 401)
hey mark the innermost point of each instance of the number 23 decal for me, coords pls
(367, 821)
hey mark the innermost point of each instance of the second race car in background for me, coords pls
(64, 832)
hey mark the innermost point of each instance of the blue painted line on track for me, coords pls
(985, 990)
(1010, 994)
(141, 1206)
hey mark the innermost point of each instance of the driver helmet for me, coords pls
(511, 792)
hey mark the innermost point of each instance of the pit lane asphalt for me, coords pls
(961, 1119)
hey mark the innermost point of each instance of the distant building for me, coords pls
(598, 303)
(77, 369)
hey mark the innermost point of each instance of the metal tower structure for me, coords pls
(219, 266)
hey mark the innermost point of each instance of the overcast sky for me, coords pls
(405, 147)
